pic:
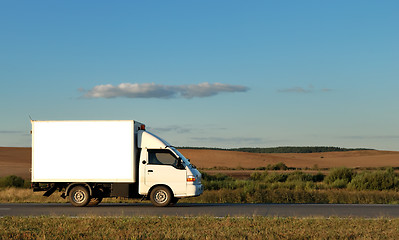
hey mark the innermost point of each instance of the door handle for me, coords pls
(150, 171)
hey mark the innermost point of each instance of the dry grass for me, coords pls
(196, 228)
(333, 196)
(22, 195)
(19, 195)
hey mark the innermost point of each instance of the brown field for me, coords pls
(17, 161)
(351, 159)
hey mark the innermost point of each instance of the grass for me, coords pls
(23, 195)
(339, 185)
(244, 195)
(335, 196)
(196, 228)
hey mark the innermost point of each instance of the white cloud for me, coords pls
(152, 90)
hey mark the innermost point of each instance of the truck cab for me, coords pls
(163, 168)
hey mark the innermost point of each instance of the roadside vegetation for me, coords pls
(13, 181)
(338, 185)
(196, 228)
(336, 178)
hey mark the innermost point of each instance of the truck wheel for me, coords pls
(161, 196)
(79, 196)
(94, 201)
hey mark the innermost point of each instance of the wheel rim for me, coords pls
(79, 196)
(161, 196)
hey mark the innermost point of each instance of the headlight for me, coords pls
(190, 178)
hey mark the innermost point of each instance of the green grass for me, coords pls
(334, 196)
(337, 178)
(196, 228)
(244, 195)
(339, 185)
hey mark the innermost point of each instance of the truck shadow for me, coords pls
(149, 205)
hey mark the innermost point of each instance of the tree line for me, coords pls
(286, 149)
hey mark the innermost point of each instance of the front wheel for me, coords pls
(79, 196)
(161, 196)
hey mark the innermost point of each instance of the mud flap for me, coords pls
(50, 191)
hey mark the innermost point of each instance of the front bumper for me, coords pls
(194, 190)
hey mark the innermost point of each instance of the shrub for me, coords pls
(261, 168)
(216, 177)
(343, 173)
(279, 166)
(298, 176)
(12, 181)
(275, 177)
(319, 177)
(268, 177)
(339, 183)
(218, 181)
(256, 176)
(376, 180)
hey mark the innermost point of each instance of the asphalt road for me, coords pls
(217, 210)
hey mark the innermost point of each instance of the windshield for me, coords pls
(186, 162)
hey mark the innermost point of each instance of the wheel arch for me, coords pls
(159, 185)
(70, 186)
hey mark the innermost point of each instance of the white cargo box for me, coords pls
(84, 151)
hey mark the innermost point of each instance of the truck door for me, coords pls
(164, 167)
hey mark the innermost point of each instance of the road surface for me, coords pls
(190, 209)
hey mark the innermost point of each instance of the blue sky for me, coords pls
(206, 73)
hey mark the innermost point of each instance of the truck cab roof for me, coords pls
(149, 140)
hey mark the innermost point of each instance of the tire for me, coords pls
(94, 201)
(79, 196)
(161, 196)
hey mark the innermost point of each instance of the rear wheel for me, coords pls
(79, 196)
(161, 196)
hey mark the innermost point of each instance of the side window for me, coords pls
(161, 157)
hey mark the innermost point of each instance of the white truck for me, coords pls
(91, 160)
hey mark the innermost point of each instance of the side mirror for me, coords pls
(179, 164)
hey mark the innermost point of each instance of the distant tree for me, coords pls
(287, 149)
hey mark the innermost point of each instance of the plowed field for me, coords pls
(17, 161)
